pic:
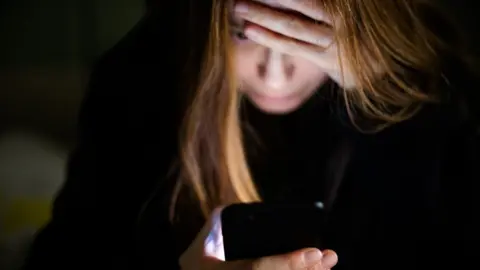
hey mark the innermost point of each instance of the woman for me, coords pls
(360, 105)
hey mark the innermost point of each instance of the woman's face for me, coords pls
(276, 83)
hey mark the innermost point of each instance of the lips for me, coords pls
(276, 97)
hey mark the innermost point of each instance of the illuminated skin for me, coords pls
(282, 58)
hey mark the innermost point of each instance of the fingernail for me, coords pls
(330, 258)
(312, 256)
(241, 8)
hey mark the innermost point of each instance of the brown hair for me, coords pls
(396, 33)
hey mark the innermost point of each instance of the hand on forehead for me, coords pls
(272, 3)
(281, 10)
(268, 2)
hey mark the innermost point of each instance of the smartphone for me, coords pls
(257, 230)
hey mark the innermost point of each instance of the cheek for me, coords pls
(245, 67)
(308, 73)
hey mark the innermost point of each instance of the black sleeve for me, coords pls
(123, 150)
(465, 206)
(460, 174)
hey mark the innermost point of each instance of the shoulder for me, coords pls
(135, 83)
(137, 59)
(131, 113)
(440, 136)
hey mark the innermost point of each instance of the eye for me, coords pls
(237, 33)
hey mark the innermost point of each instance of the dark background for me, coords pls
(47, 49)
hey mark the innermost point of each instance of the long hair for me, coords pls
(399, 34)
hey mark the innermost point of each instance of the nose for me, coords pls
(275, 70)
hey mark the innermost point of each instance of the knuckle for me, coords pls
(257, 18)
(291, 262)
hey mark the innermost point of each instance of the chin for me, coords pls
(277, 106)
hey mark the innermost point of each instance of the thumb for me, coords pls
(301, 259)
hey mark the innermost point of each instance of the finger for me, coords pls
(329, 259)
(309, 8)
(289, 25)
(271, 3)
(302, 259)
(290, 46)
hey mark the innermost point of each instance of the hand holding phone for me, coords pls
(199, 257)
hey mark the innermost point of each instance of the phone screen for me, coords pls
(214, 242)
(250, 231)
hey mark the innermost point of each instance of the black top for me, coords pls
(407, 197)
